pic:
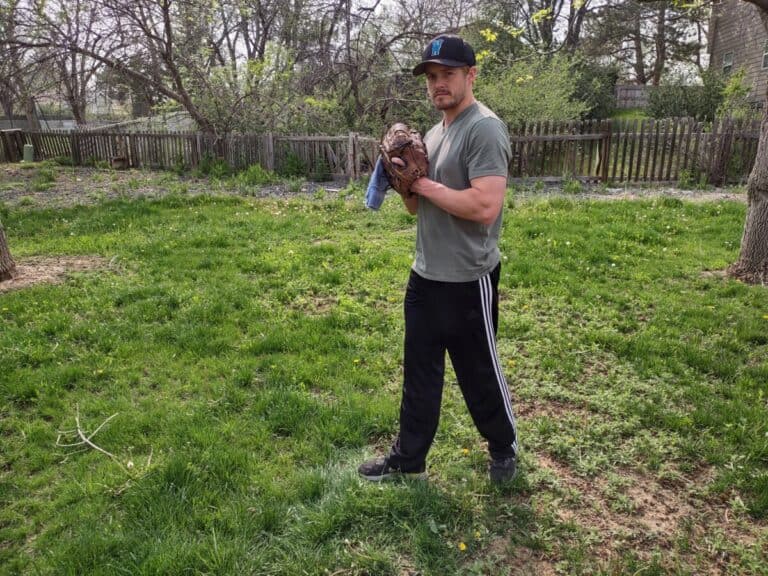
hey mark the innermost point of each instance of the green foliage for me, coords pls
(44, 178)
(735, 93)
(595, 86)
(680, 99)
(533, 89)
(213, 167)
(255, 175)
(322, 170)
(292, 166)
(63, 161)
(572, 185)
(629, 114)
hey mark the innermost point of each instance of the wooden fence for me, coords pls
(636, 150)
(318, 157)
(608, 151)
(11, 145)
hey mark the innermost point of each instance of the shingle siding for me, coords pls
(737, 29)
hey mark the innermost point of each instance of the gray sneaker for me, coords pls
(379, 469)
(502, 470)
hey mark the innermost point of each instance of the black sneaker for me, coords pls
(503, 470)
(378, 469)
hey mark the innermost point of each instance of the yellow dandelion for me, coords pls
(462, 547)
(477, 534)
(465, 451)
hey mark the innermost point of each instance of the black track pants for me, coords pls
(460, 318)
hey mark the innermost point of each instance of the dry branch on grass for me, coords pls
(85, 442)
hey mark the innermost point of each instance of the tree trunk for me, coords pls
(7, 265)
(752, 266)
(33, 122)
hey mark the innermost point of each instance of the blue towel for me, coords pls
(377, 186)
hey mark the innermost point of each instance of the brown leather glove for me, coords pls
(405, 143)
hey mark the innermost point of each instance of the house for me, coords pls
(738, 39)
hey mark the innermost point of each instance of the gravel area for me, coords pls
(84, 186)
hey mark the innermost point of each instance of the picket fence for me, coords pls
(649, 150)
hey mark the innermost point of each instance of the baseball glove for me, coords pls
(403, 142)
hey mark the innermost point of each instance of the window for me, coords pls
(765, 58)
(727, 62)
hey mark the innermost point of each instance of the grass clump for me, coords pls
(255, 175)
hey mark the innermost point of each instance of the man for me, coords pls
(451, 303)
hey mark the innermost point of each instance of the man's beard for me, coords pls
(447, 101)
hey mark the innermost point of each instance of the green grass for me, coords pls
(629, 114)
(251, 350)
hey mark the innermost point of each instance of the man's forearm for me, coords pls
(480, 203)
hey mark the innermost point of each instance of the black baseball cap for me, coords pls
(448, 50)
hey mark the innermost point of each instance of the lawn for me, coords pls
(234, 358)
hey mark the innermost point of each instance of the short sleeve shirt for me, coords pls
(448, 248)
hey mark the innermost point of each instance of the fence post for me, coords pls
(606, 129)
(269, 151)
(74, 144)
(351, 153)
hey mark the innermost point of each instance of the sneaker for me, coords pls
(378, 469)
(503, 470)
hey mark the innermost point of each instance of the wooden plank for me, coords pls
(607, 128)
(651, 167)
(663, 152)
(590, 145)
(621, 151)
(631, 135)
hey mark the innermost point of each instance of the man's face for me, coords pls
(447, 86)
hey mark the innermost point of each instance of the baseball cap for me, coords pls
(448, 50)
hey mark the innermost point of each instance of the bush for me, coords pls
(677, 99)
(596, 87)
(322, 171)
(255, 175)
(535, 89)
(735, 93)
(213, 167)
(293, 166)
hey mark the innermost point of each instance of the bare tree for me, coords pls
(20, 67)
(546, 25)
(74, 23)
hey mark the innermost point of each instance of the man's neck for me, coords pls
(450, 115)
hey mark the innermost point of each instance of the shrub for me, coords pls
(596, 87)
(255, 175)
(322, 171)
(213, 167)
(678, 99)
(293, 166)
(63, 161)
(735, 95)
(572, 185)
(535, 89)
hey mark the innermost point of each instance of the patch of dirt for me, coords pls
(53, 270)
(638, 512)
(532, 408)
(82, 186)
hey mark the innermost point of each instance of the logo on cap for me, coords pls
(436, 45)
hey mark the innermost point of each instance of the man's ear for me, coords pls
(472, 73)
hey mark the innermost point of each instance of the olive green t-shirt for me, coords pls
(451, 249)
